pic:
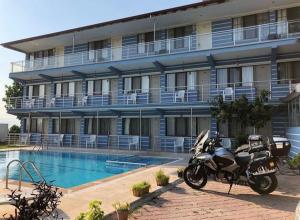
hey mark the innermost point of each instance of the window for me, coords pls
(180, 81)
(180, 33)
(33, 125)
(249, 21)
(289, 71)
(55, 127)
(65, 89)
(99, 50)
(97, 87)
(293, 14)
(235, 77)
(90, 126)
(182, 127)
(67, 126)
(134, 84)
(132, 126)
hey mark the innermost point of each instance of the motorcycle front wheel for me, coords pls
(195, 176)
(264, 184)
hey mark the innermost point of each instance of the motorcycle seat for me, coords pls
(243, 158)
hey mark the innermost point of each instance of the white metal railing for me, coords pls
(234, 37)
(180, 94)
(112, 142)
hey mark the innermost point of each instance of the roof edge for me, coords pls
(204, 3)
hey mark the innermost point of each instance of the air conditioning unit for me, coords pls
(297, 87)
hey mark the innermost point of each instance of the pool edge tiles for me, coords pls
(74, 170)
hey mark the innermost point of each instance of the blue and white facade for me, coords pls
(146, 82)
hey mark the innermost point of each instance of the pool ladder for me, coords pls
(22, 167)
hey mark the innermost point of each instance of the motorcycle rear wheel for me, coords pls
(195, 180)
(264, 184)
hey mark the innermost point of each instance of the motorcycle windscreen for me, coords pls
(200, 145)
(198, 139)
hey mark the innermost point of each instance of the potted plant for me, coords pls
(140, 189)
(122, 210)
(180, 172)
(161, 178)
(295, 163)
(95, 212)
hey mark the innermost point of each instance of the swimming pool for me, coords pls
(70, 169)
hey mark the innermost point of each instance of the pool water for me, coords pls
(69, 169)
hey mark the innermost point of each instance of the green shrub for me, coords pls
(140, 189)
(94, 213)
(161, 178)
(295, 162)
(121, 206)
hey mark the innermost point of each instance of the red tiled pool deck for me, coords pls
(213, 202)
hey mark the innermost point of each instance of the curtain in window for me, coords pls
(45, 126)
(237, 25)
(90, 88)
(191, 82)
(78, 88)
(105, 87)
(58, 90)
(40, 125)
(191, 126)
(141, 43)
(247, 76)
(126, 126)
(170, 126)
(282, 25)
(30, 92)
(72, 89)
(145, 84)
(127, 85)
(90, 126)
(42, 91)
(171, 82)
(91, 51)
(222, 78)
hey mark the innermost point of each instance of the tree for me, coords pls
(241, 109)
(15, 129)
(222, 111)
(256, 114)
(14, 90)
(260, 113)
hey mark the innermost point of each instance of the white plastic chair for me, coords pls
(179, 95)
(91, 141)
(228, 92)
(134, 141)
(179, 143)
(84, 100)
(24, 138)
(132, 98)
(52, 102)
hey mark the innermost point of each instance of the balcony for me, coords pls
(198, 94)
(235, 37)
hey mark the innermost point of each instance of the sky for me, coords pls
(22, 19)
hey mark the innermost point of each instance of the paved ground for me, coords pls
(214, 203)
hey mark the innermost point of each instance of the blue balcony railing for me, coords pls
(235, 37)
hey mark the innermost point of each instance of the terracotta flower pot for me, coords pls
(122, 214)
(162, 182)
(140, 192)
